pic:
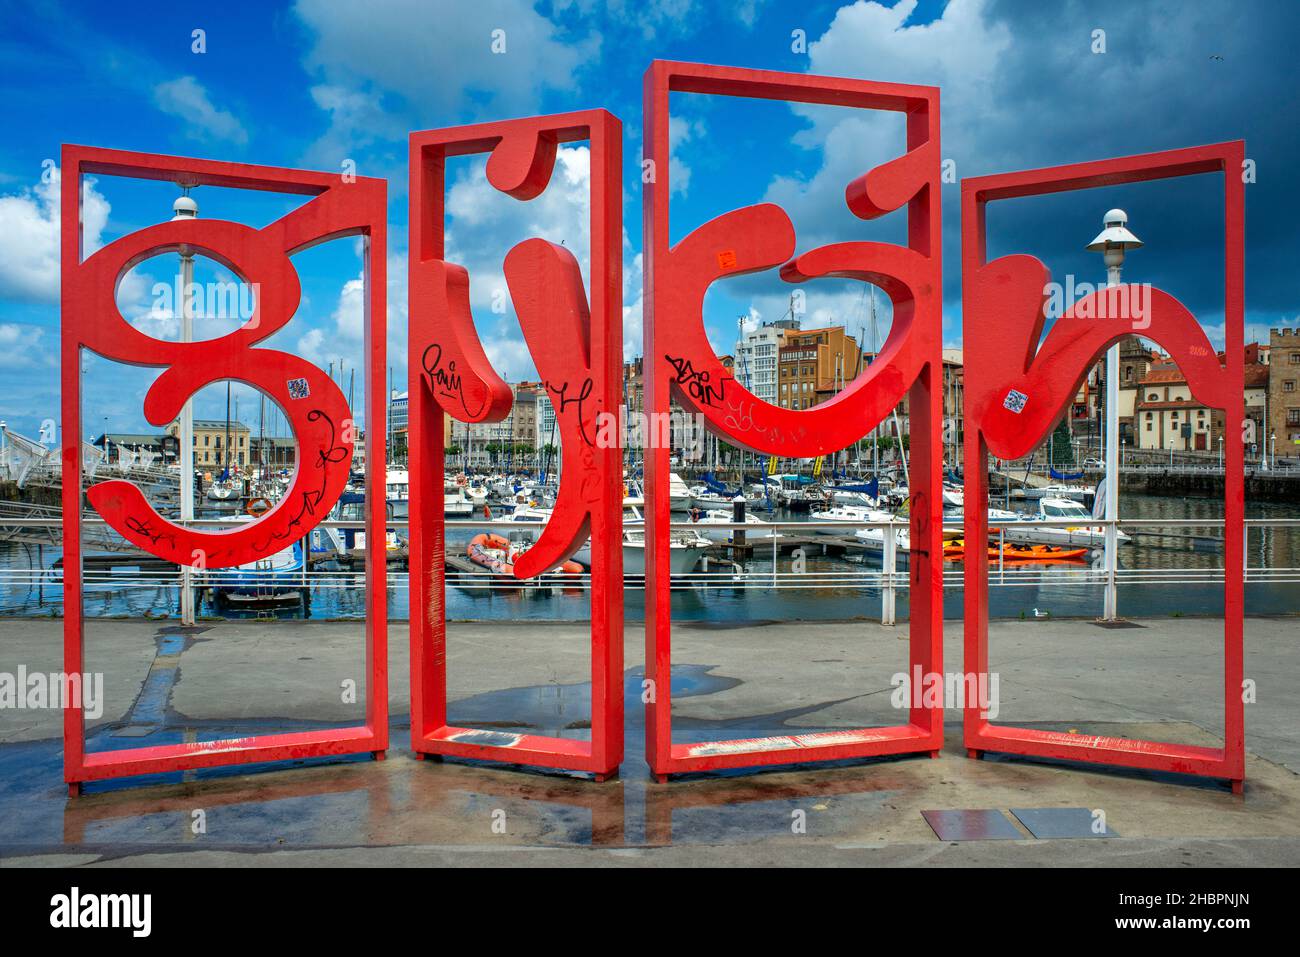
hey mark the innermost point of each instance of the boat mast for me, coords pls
(225, 451)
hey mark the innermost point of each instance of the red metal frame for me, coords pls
(578, 353)
(320, 421)
(682, 366)
(1003, 318)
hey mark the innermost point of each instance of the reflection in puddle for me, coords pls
(354, 801)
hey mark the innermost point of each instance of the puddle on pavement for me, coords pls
(352, 800)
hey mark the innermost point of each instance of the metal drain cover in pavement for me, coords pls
(1047, 823)
(971, 825)
(1117, 623)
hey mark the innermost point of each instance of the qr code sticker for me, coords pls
(1015, 401)
(298, 388)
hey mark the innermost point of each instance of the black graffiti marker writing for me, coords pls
(564, 400)
(446, 382)
(698, 385)
(332, 453)
(145, 529)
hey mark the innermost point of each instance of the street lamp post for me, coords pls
(186, 208)
(1112, 242)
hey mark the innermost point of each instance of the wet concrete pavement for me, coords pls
(1161, 681)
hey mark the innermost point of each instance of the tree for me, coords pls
(1062, 447)
(451, 451)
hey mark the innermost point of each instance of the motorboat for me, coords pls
(873, 539)
(1075, 493)
(851, 496)
(397, 492)
(477, 493)
(799, 494)
(456, 504)
(847, 517)
(276, 579)
(1061, 509)
(711, 523)
(763, 495)
(348, 544)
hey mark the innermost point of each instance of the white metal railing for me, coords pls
(889, 579)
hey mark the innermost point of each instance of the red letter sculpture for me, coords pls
(1016, 391)
(679, 359)
(578, 354)
(313, 405)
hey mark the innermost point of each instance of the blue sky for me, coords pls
(319, 83)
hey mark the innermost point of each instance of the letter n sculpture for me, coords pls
(1017, 390)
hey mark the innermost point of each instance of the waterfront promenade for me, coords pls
(1161, 680)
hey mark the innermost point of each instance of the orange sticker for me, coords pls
(727, 259)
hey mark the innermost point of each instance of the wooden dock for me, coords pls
(785, 544)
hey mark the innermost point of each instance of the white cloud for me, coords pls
(29, 237)
(21, 346)
(680, 131)
(429, 66)
(959, 52)
(186, 99)
(747, 11)
(357, 120)
(633, 301)
(661, 18)
(485, 224)
(342, 333)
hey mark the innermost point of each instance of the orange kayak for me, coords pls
(1017, 552)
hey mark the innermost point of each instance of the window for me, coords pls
(1288, 385)
(1293, 416)
(1152, 397)
(1148, 422)
(1295, 358)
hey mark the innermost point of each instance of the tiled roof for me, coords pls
(1164, 371)
(1172, 404)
